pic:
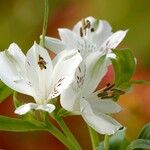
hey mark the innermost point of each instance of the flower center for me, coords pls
(109, 92)
(86, 25)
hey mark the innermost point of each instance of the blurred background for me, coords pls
(21, 22)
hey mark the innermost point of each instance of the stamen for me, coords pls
(105, 97)
(109, 92)
(86, 24)
(81, 32)
(83, 27)
(109, 87)
(42, 63)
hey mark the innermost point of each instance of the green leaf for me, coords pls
(124, 66)
(118, 141)
(5, 91)
(18, 125)
(139, 143)
(145, 132)
(17, 103)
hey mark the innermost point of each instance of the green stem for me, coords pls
(94, 138)
(106, 142)
(55, 132)
(67, 132)
(45, 22)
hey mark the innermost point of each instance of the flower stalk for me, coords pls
(106, 142)
(67, 132)
(94, 138)
(45, 23)
(59, 135)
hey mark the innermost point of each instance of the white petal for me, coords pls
(64, 70)
(96, 68)
(70, 39)
(18, 55)
(12, 70)
(113, 41)
(102, 123)
(54, 45)
(47, 107)
(69, 100)
(111, 55)
(32, 106)
(102, 30)
(39, 68)
(23, 109)
(103, 106)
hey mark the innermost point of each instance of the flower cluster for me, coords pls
(83, 56)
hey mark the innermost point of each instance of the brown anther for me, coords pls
(81, 32)
(108, 92)
(42, 63)
(87, 25)
(109, 87)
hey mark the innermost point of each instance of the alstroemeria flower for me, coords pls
(89, 35)
(37, 75)
(94, 40)
(82, 99)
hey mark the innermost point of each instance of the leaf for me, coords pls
(124, 67)
(5, 91)
(18, 125)
(17, 103)
(118, 141)
(145, 132)
(139, 143)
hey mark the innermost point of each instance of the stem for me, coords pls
(45, 22)
(106, 142)
(94, 138)
(55, 132)
(67, 132)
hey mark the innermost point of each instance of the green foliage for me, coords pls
(5, 91)
(63, 113)
(145, 132)
(139, 143)
(17, 103)
(118, 141)
(19, 125)
(124, 66)
(143, 141)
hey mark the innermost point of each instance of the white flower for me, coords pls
(94, 40)
(82, 99)
(37, 75)
(89, 35)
